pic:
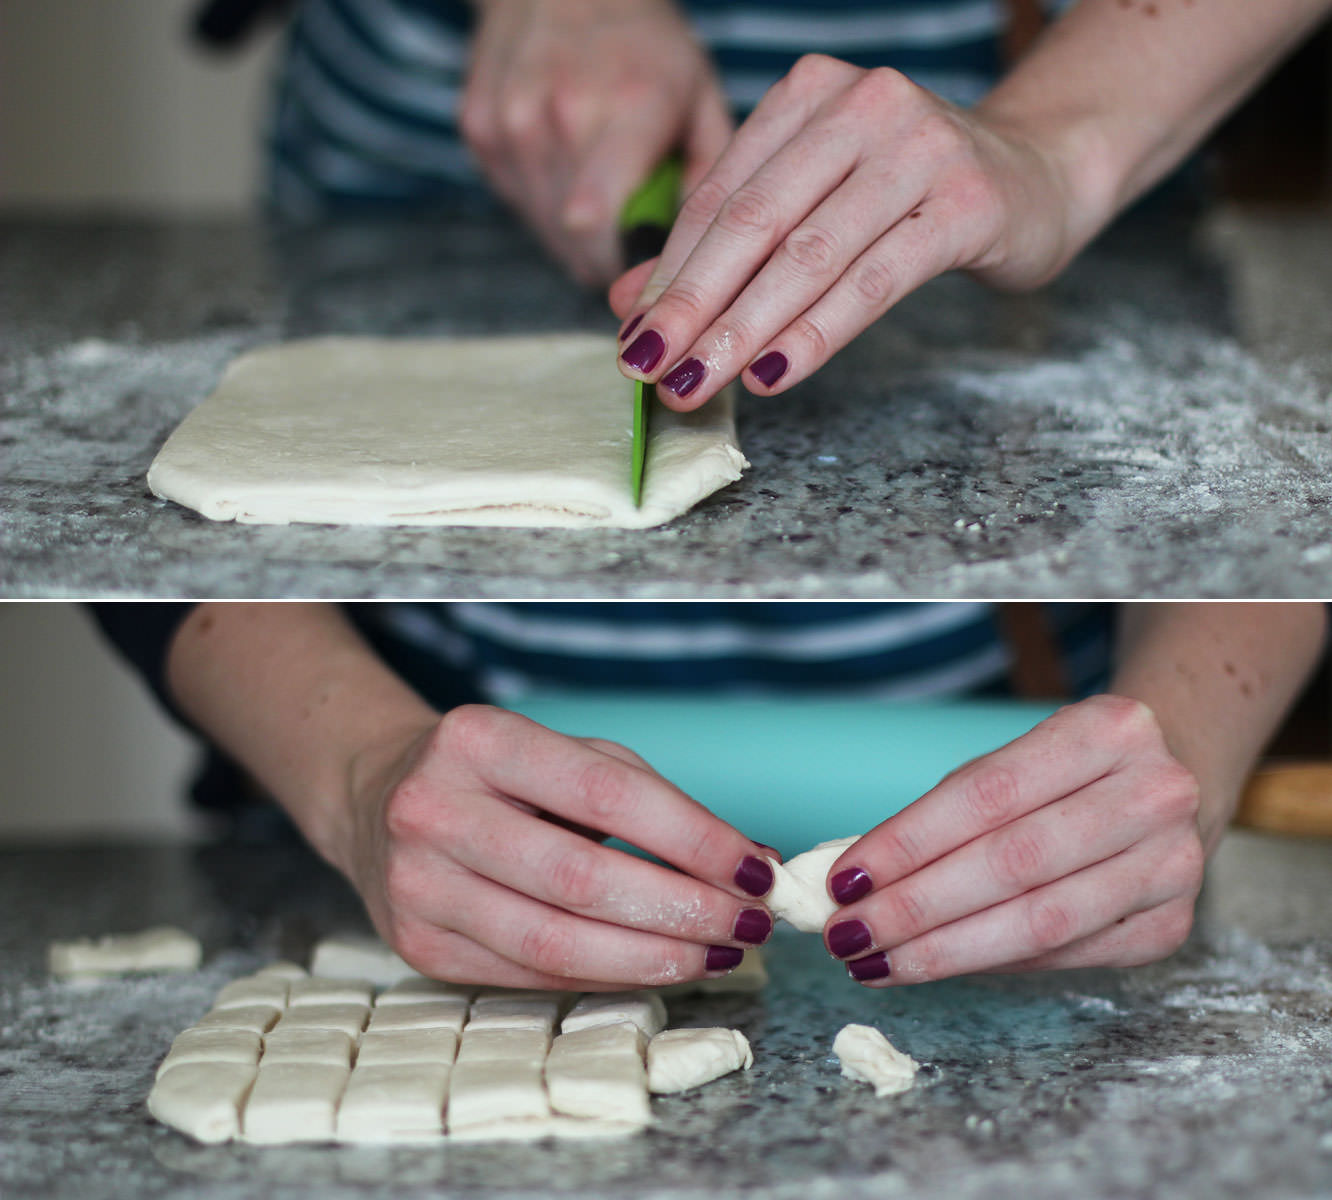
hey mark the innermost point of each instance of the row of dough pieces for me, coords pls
(284, 1057)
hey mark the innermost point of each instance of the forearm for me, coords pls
(294, 694)
(1219, 678)
(1120, 92)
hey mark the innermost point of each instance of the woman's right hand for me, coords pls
(473, 843)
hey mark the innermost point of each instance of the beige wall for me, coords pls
(105, 105)
(85, 751)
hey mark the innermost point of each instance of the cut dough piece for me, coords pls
(444, 1012)
(349, 1018)
(294, 1102)
(240, 1046)
(599, 1073)
(257, 1018)
(800, 887)
(202, 1099)
(253, 989)
(679, 1059)
(484, 431)
(868, 1056)
(554, 1126)
(282, 970)
(163, 948)
(291, 1044)
(647, 1010)
(358, 956)
(400, 1047)
(490, 1045)
(516, 1010)
(394, 1103)
(329, 991)
(484, 1091)
(418, 988)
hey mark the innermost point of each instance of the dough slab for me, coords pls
(483, 431)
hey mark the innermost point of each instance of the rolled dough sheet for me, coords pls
(485, 431)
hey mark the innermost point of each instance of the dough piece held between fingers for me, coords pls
(679, 1059)
(866, 1055)
(529, 431)
(800, 887)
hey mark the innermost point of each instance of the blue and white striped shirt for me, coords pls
(367, 101)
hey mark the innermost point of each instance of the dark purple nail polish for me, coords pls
(770, 368)
(646, 351)
(849, 938)
(754, 925)
(628, 329)
(723, 958)
(871, 967)
(754, 876)
(848, 886)
(684, 378)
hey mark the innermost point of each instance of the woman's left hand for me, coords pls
(1075, 845)
(845, 190)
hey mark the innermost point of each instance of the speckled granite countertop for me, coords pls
(1108, 436)
(1209, 1074)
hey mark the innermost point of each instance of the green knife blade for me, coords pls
(645, 221)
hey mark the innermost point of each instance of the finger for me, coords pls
(707, 134)
(575, 875)
(552, 942)
(522, 759)
(809, 261)
(1049, 844)
(778, 117)
(1063, 754)
(1131, 941)
(625, 290)
(1041, 922)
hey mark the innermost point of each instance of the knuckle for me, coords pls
(702, 204)
(907, 912)
(1176, 925)
(603, 791)
(685, 301)
(467, 731)
(813, 71)
(875, 282)
(883, 85)
(412, 944)
(577, 879)
(748, 211)
(813, 337)
(991, 795)
(1049, 924)
(551, 947)
(1019, 859)
(896, 853)
(811, 250)
(1129, 721)
(414, 813)
(929, 960)
(476, 120)
(520, 120)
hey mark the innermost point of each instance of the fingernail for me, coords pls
(849, 885)
(770, 368)
(754, 925)
(754, 876)
(645, 352)
(723, 958)
(849, 938)
(871, 967)
(684, 378)
(628, 329)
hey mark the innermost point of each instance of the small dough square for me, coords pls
(294, 1102)
(516, 1010)
(288, 1044)
(483, 1091)
(445, 1012)
(257, 1018)
(489, 1045)
(598, 1073)
(196, 1045)
(394, 1103)
(253, 989)
(329, 991)
(202, 1099)
(679, 1059)
(645, 1009)
(282, 970)
(399, 1047)
(349, 1018)
(625, 1039)
(419, 988)
(357, 956)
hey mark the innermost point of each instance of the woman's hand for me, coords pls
(570, 104)
(470, 848)
(1075, 845)
(845, 190)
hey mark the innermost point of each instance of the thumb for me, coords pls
(625, 290)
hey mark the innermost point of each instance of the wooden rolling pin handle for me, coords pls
(1291, 797)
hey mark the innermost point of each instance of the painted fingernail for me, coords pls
(723, 958)
(848, 938)
(754, 876)
(684, 378)
(871, 967)
(848, 886)
(754, 925)
(645, 351)
(628, 329)
(769, 368)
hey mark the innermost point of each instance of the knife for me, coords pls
(645, 221)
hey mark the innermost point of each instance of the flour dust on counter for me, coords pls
(524, 431)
